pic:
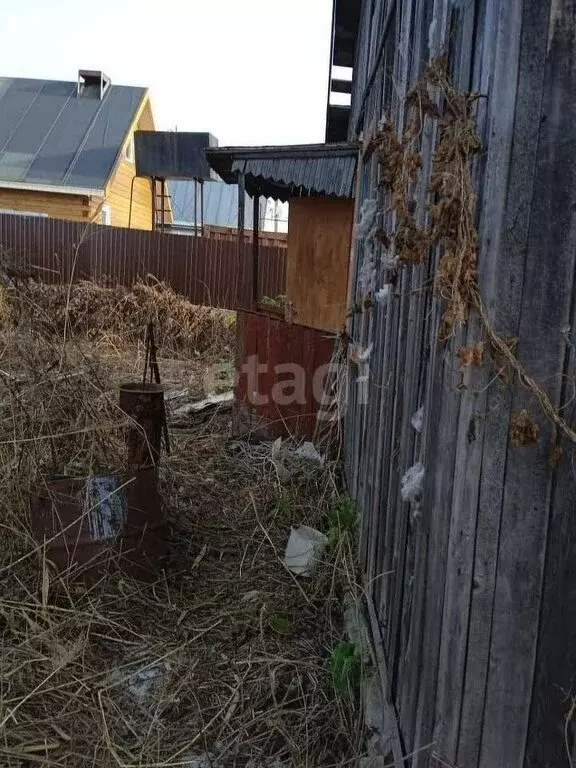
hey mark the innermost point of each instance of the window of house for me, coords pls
(129, 150)
(23, 213)
(106, 215)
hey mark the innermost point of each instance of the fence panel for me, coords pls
(209, 271)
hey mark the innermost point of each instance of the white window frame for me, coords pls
(10, 212)
(106, 215)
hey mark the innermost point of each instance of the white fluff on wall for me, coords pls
(412, 483)
(367, 218)
(366, 231)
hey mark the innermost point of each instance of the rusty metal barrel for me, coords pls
(144, 404)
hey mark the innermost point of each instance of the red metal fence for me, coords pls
(205, 270)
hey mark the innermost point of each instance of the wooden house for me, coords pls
(67, 150)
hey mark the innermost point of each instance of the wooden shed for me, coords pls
(291, 336)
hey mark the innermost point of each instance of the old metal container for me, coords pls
(90, 525)
(145, 529)
(144, 404)
(79, 520)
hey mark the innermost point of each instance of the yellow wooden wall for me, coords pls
(56, 205)
(118, 198)
(120, 188)
(319, 238)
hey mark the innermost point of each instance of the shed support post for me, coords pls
(255, 246)
(201, 207)
(195, 208)
(241, 200)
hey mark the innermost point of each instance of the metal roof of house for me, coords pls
(220, 204)
(51, 136)
(290, 171)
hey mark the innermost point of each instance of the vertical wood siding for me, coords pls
(475, 594)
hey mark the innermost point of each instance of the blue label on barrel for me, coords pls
(106, 507)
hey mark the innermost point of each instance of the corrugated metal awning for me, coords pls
(290, 171)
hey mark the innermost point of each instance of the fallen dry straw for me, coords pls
(224, 659)
(102, 311)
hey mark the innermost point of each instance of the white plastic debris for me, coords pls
(412, 483)
(143, 683)
(304, 550)
(417, 419)
(389, 261)
(367, 272)
(382, 294)
(307, 451)
(105, 506)
(276, 447)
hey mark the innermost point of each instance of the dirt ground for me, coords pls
(226, 658)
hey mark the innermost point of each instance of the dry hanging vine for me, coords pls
(452, 214)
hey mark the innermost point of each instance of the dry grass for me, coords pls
(226, 655)
(452, 214)
(118, 315)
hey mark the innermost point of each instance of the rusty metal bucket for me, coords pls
(93, 524)
(79, 520)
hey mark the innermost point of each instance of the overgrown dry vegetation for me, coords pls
(116, 315)
(449, 220)
(225, 658)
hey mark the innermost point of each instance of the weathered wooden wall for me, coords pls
(476, 591)
(317, 261)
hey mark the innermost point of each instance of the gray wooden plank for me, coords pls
(503, 238)
(469, 441)
(406, 633)
(440, 419)
(545, 311)
(404, 370)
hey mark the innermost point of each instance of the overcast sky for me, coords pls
(248, 71)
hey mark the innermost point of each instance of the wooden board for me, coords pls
(319, 240)
(56, 205)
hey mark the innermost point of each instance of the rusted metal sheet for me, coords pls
(207, 271)
(280, 370)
